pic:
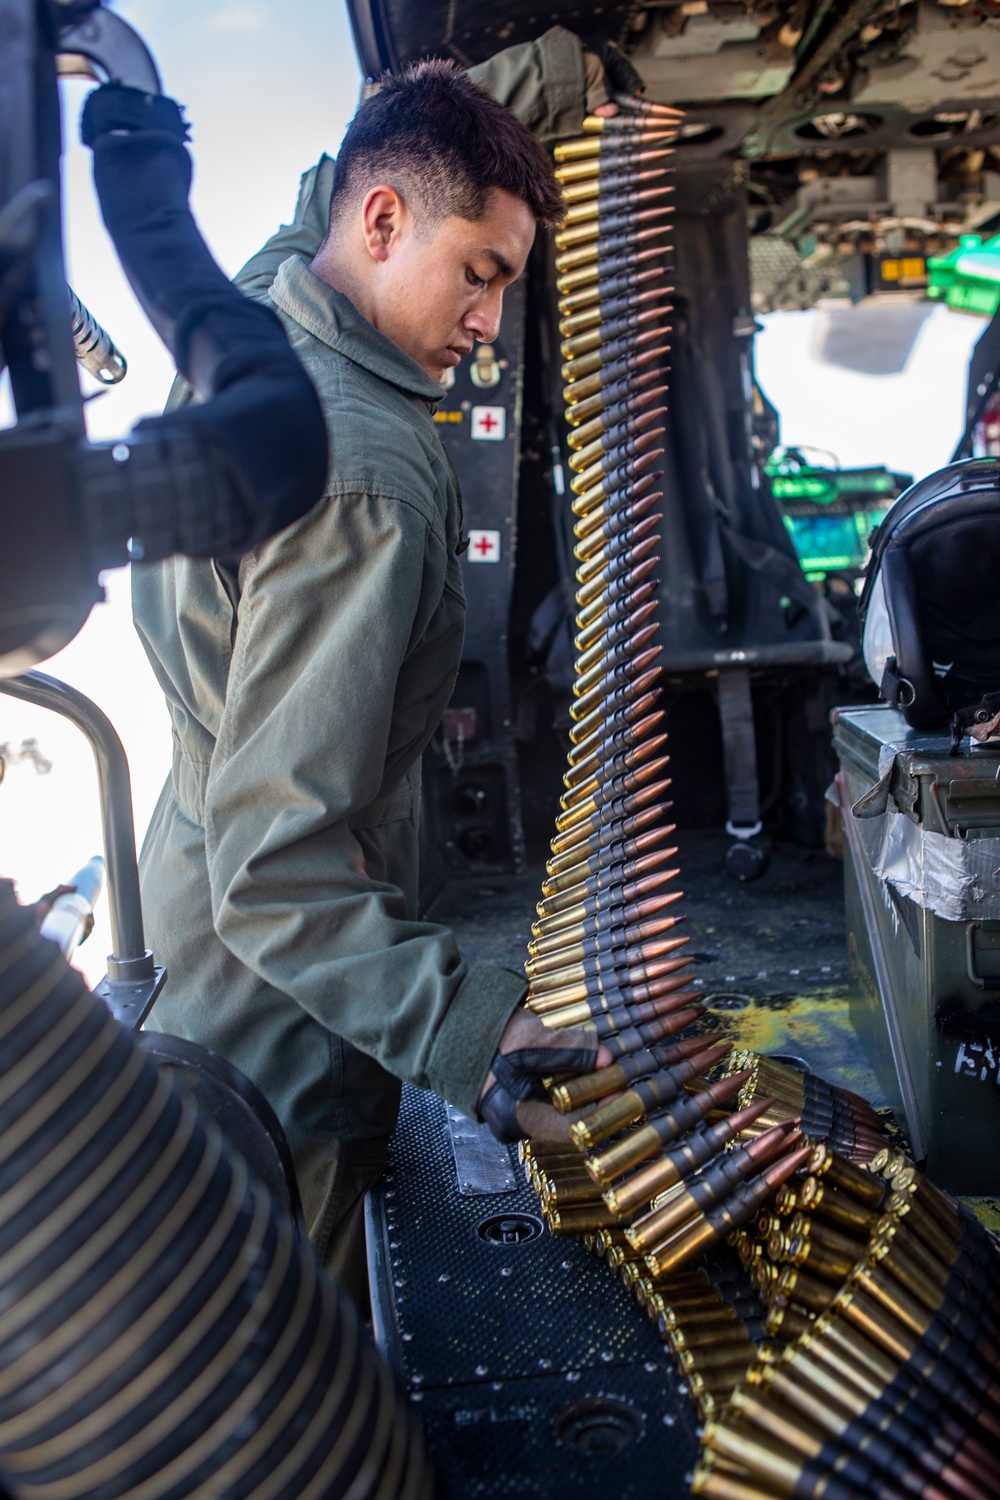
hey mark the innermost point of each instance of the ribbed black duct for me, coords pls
(164, 1333)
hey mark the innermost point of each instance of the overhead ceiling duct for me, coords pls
(390, 33)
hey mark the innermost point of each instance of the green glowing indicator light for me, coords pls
(801, 488)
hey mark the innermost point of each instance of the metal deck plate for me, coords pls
(535, 1373)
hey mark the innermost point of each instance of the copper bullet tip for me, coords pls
(765, 1143)
(710, 1056)
(744, 1117)
(724, 1087)
(781, 1170)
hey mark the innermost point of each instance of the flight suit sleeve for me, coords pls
(332, 614)
(541, 82)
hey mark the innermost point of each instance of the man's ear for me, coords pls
(383, 218)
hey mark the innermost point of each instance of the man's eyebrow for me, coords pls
(501, 262)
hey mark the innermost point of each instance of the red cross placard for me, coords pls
(489, 423)
(484, 547)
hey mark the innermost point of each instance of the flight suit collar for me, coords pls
(333, 318)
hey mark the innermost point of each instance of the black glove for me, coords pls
(619, 74)
(530, 1051)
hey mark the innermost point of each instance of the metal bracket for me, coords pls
(748, 831)
(131, 1002)
(482, 1163)
(130, 966)
(739, 752)
(114, 49)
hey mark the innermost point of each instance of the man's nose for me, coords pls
(484, 321)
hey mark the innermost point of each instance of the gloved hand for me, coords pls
(512, 1102)
(607, 72)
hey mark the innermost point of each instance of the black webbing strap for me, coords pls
(739, 750)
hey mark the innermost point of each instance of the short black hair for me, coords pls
(432, 133)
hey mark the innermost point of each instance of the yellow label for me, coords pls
(448, 416)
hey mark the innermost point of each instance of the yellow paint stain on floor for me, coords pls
(986, 1209)
(815, 1027)
(811, 1024)
(808, 1021)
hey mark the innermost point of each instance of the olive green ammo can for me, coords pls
(922, 890)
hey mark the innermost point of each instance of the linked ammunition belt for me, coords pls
(670, 1162)
(882, 1373)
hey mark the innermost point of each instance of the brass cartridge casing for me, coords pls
(785, 1322)
(883, 1251)
(908, 1211)
(882, 1328)
(608, 1164)
(836, 1207)
(727, 1361)
(623, 128)
(763, 1457)
(595, 147)
(552, 937)
(795, 1432)
(842, 1174)
(553, 957)
(912, 1315)
(718, 1484)
(584, 210)
(829, 1265)
(589, 169)
(575, 1219)
(584, 269)
(592, 230)
(587, 185)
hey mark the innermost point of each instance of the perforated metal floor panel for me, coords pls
(535, 1373)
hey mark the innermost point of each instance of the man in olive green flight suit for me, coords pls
(279, 870)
